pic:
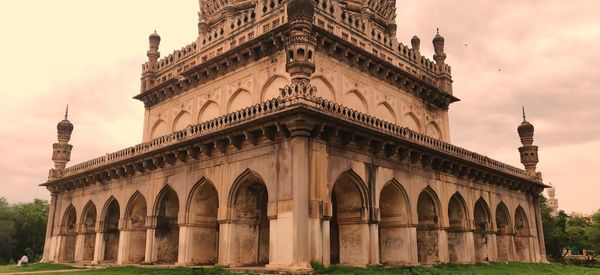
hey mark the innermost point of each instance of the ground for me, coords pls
(491, 269)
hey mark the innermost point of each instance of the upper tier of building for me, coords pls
(227, 26)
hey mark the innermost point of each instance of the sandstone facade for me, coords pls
(290, 132)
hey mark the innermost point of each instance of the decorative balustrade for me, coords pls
(289, 94)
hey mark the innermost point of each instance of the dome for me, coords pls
(415, 40)
(154, 37)
(525, 129)
(65, 126)
(438, 38)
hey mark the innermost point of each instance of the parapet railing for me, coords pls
(277, 104)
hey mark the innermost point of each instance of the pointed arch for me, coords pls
(271, 88)
(522, 235)
(352, 177)
(166, 210)
(482, 224)
(457, 221)
(239, 100)
(521, 222)
(159, 129)
(69, 234)
(394, 234)
(433, 130)
(111, 214)
(181, 121)
(385, 112)
(457, 211)
(412, 122)
(69, 219)
(503, 231)
(89, 218)
(137, 196)
(428, 216)
(246, 176)
(135, 222)
(355, 100)
(324, 88)
(210, 110)
(201, 216)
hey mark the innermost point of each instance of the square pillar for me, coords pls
(183, 257)
(414, 250)
(98, 248)
(374, 244)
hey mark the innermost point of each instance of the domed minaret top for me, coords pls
(528, 152)
(64, 128)
(438, 46)
(525, 131)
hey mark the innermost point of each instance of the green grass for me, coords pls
(491, 269)
(32, 267)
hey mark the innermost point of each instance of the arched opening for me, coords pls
(111, 231)
(385, 112)
(158, 130)
(135, 217)
(457, 221)
(394, 233)
(428, 227)
(203, 206)
(347, 226)
(167, 229)
(481, 219)
(239, 101)
(271, 89)
(522, 235)
(354, 100)
(209, 111)
(411, 122)
(182, 121)
(324, 88)
(89, 232)
(503, 232)
(68, 232)
(251, 239)
(433, 130)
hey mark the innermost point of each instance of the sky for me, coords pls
(542, 54)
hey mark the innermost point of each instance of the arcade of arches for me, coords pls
(410, 227)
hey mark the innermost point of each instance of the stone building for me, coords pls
(552, 200)
(294, 131)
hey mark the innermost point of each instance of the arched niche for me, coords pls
(356, 101)
(182, 120)
(385, 112)
(159, 129)
(166, 211)
(394, 232)
(428, 227)
(240, 100)
(249, 200)
(411, 122)
(503, 226)
(68, 234)
(433, 130)
(457, 221)
(522, 236)
(89, 231)
(135, 217)
(201, 216)
(347, 229)
(209, 111)
(111, 231)
(324, 88)
(481, 219)
(272, 86)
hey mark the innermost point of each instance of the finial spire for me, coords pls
(438, 31)
(524, 113)
(67, 112)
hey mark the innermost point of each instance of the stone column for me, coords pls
(98, 246)
(123, 250)
(183, 253)
(79, 242)
(470, 244)
(326, 242)
(374, 244)
(300, 132)
(150, 256)
(443, 255)
(539, 228)
(225, 238)
(49, 229)
(414, 250)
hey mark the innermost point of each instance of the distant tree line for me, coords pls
(22, 230)
(564, 233)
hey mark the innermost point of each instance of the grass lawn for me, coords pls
(492, 269)
(32, 267)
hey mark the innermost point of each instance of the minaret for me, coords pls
(300, 45)
(552, 200)
(151, 67)
(61, 151)
(529, 152)
(438, 46)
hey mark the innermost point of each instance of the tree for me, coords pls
(22, 229)
(555, 234)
